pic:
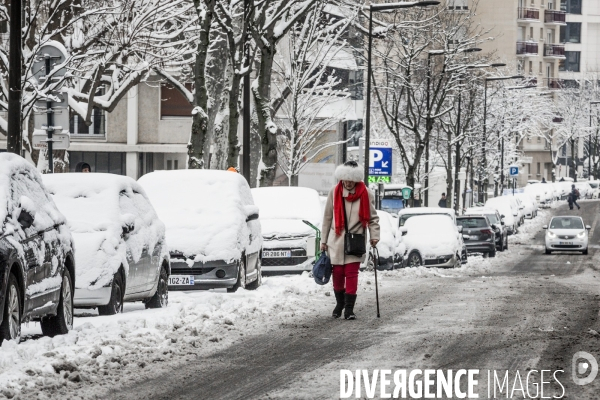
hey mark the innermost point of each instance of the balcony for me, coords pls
(553, 83)
(528, 14)
(555, 17)
(554, 51)
(527, 48)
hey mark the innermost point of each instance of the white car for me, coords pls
(432, 241)
(542, 193)
(391, 247)
(529, 204)
(212, 228)
(289, 243)
(585, 189)
(595, 189)
(567, 233)
(120, 249)
(508, 211)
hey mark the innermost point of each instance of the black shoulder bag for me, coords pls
(354, 243)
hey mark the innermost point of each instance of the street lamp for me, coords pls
(592, 103)
(486, 80)
(428, 126)
(383, 7)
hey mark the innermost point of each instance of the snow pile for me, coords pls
(389, 244)
(98, 207)
(204, 212)
(124, 343)
(282, 210)
(432, 235)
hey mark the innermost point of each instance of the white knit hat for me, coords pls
(350, 171)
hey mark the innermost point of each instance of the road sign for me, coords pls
(406, 192)
(60, 140)
(380, 179)
(380, 157)
(513, 171)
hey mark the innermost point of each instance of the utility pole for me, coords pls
(14, 130)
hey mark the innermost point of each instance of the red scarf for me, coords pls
(364, 212)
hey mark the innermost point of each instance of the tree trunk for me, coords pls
(294, 180)
(233, 148)
(200, 117)
(265, 126)
(449, 178)
(218, 67)
(573, 161)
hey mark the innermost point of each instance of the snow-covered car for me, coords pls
(508, 212)
(542, 193)
(585, 189)
(119, 240)
(431, 241)
(566, 233)
(289, 243)
(562, 189)
(212, 228)
(529, 204)
(391, 247)
(497, 224)
(595, 185)
(36, 254)
(406, 213)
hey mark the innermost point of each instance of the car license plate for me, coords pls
(566, 243)
(277, 253)
(181, 280)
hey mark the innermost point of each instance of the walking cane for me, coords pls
(376, 264)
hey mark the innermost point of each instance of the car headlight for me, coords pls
(551, 234)
(581, 234)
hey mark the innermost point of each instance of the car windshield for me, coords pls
(403, 218)
(476, 222)
(566, 223)
(594, 185)
(392, 205)
(493, 218)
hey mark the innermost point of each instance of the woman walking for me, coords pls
(350, 208)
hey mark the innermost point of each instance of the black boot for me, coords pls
(340, 303)
(349, 312)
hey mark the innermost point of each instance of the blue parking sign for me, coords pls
(380, 161)
(513, 171)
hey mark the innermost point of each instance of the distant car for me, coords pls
(212, 228)
(495, 219)
(542, 193)
(529, 204)
(36, 254)
(507, 210)
(289, 243)
(595, 189)
(585, 189)
(566, 233)
(121, 253)
(407, 213)
(391, 247)
(478, 233)
(432, 241)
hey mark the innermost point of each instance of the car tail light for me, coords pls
(486, 231)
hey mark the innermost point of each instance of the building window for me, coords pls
(538, 168)
(173, 104)
(458, 5)
(112, 163)
(531, 67)
(571, 6)
(541, 69)
(77, 124)
(571, 33)
(571, 62)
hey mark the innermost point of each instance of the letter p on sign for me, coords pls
(376, 156)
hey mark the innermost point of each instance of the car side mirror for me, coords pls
(502, 216)
(460, 229)
(403, 231)
(588, 227)
(545, 227)
(501, 222)
(494, 227)
(128, 228)
(25, 219)
(252, 217)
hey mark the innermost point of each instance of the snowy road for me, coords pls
(522, 310)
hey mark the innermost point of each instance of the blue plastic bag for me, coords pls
(322, 269)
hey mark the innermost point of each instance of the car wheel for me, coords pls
(414, 260)
(585, 251)
(256, 284)
(548, 251)
(506, 243)
(492, 253)
(115, 305)
(62, 322)
(161, 297)
(241, 281)
(10, 329)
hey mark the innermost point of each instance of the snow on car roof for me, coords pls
(430, 224)
(288, 203)
(427, 210)
(204, 211)
(481, 210)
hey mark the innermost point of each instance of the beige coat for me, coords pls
(334, 242)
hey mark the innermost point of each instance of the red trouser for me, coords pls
(346, 276)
